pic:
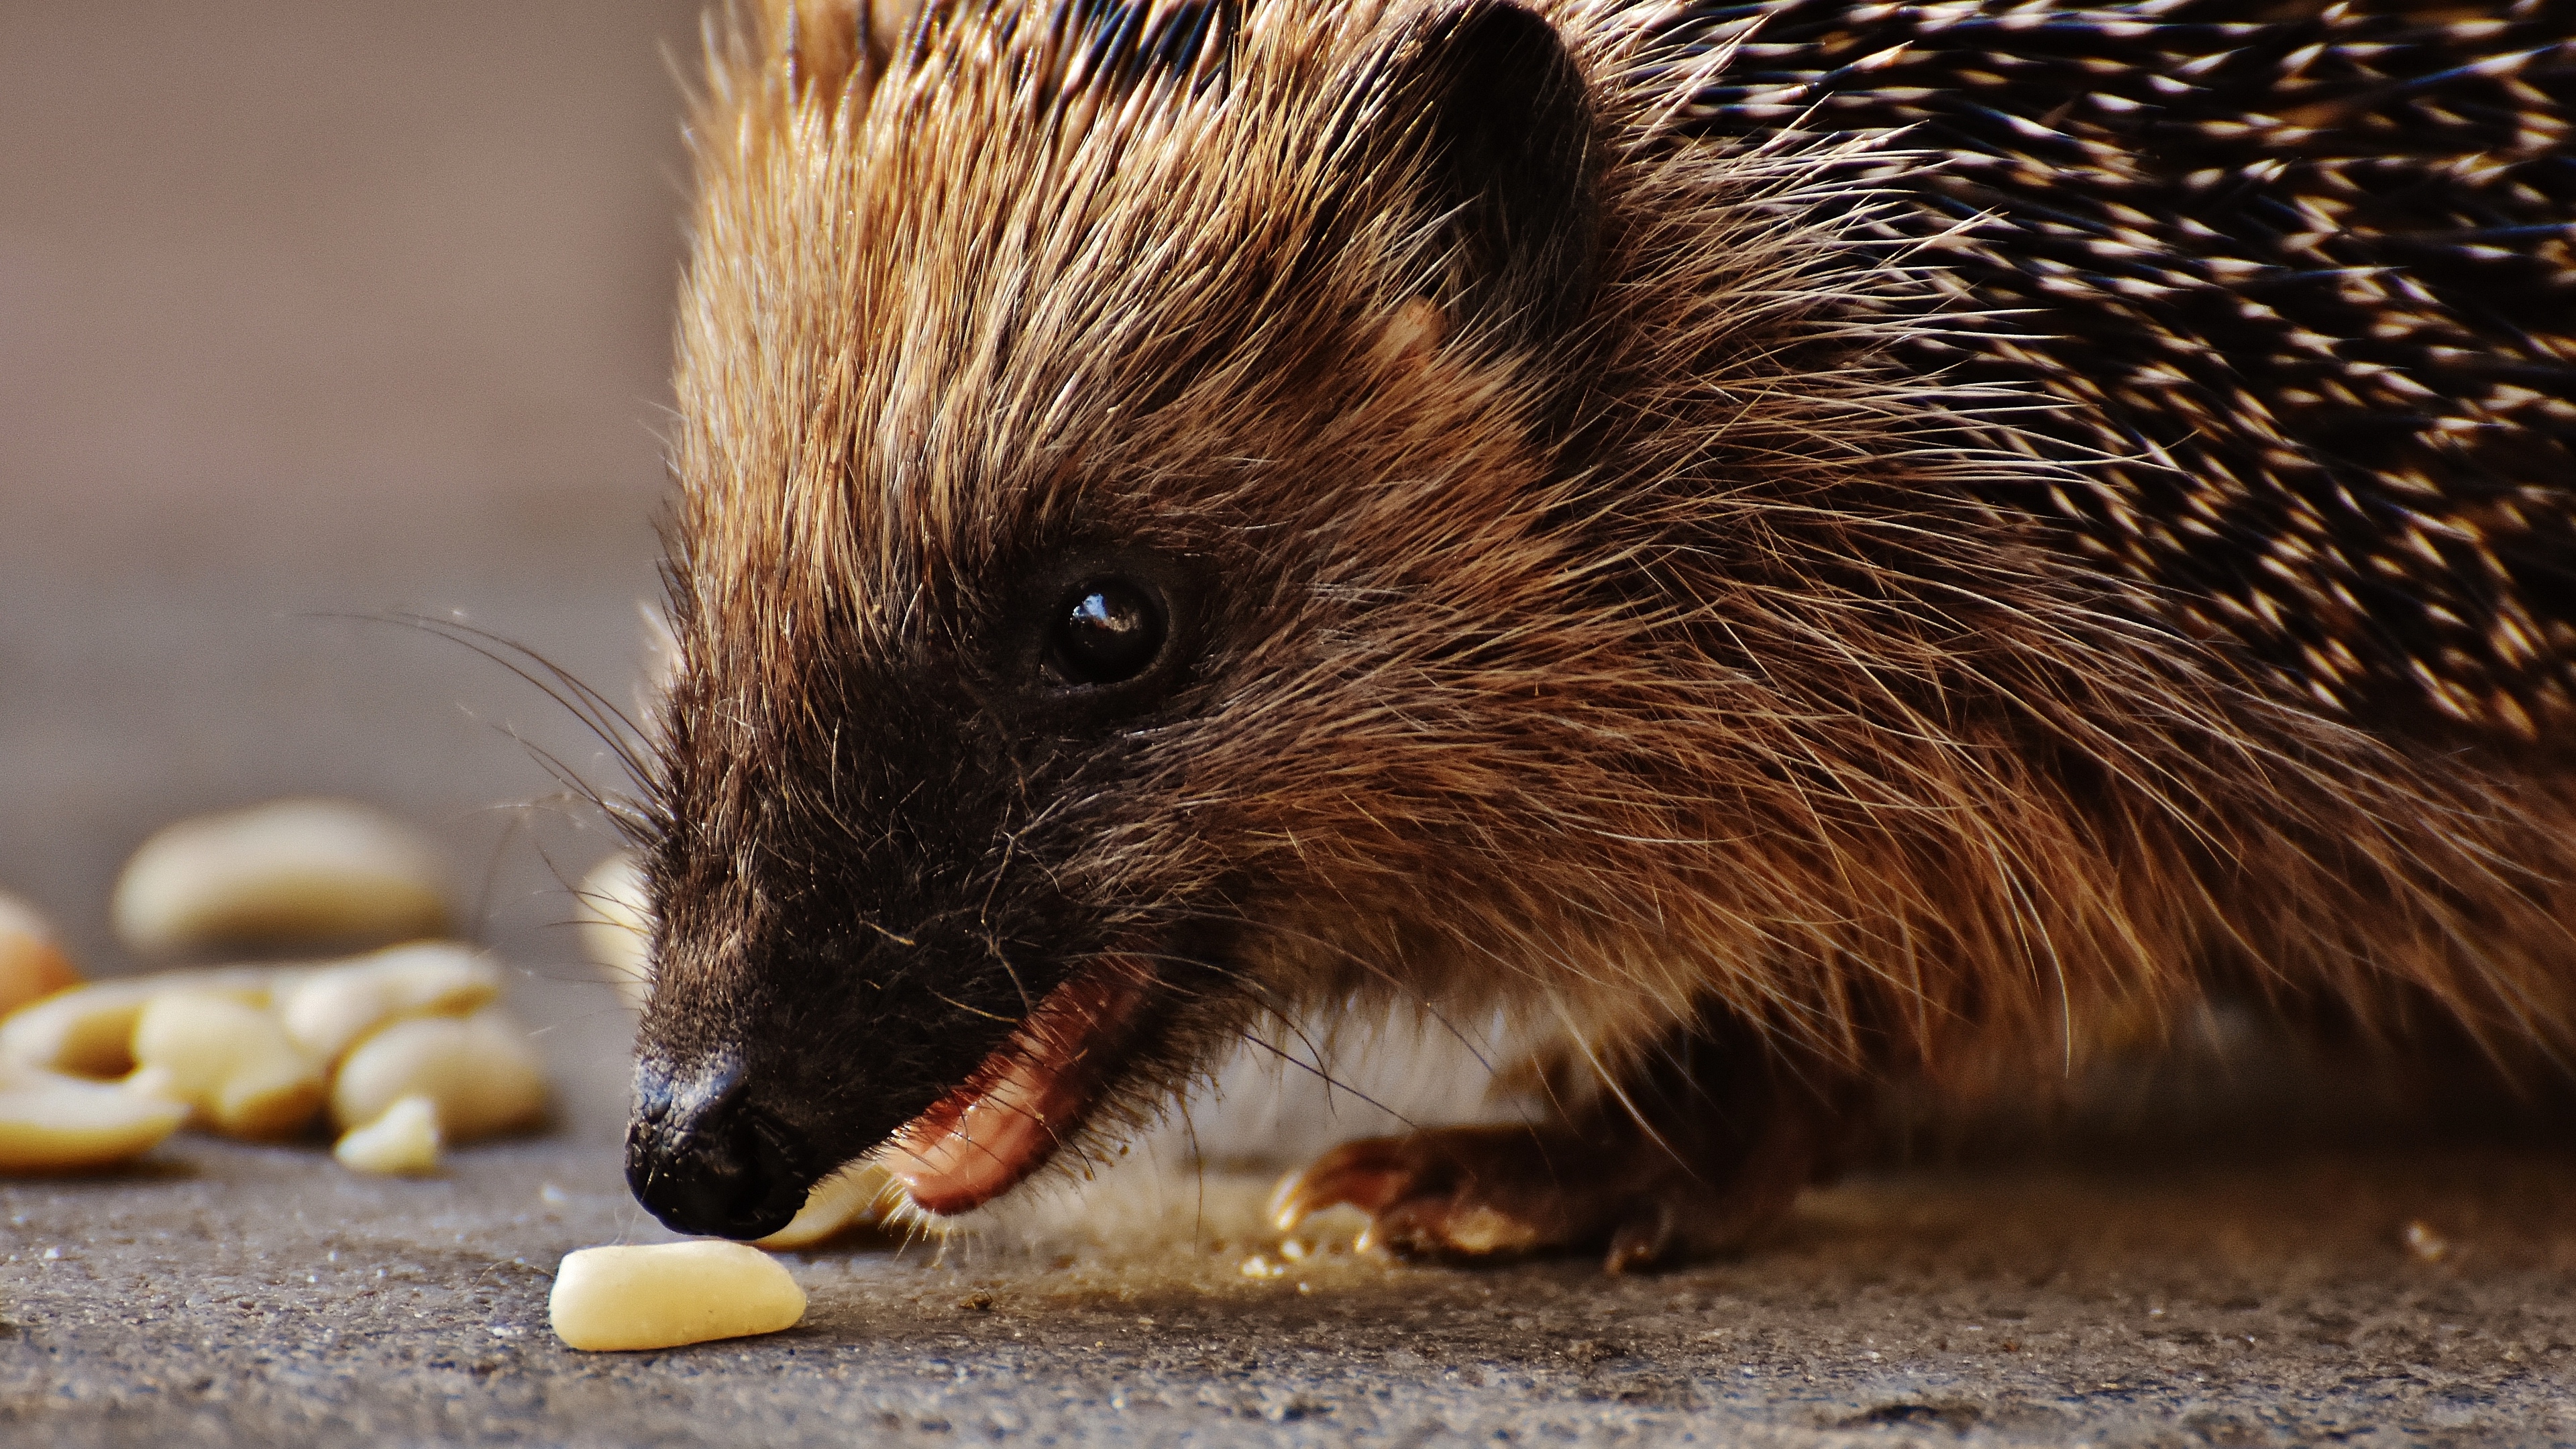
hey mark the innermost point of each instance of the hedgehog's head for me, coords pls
(1105, 570)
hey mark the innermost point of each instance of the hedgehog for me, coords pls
(1792, 550)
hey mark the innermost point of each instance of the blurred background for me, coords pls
(317, 309)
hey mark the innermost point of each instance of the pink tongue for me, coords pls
(977, 1142)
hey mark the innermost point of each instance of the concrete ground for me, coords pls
(311, 311)
(243, 1295)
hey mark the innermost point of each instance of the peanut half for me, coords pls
(403, 1141)
(89, 1030)
(54, 1123)
(617, 925)
(231, 1064)
(480, 1071)
(290, 871)
(332, 1009)
(609, 1300)
(32, 964)
(849, 1198)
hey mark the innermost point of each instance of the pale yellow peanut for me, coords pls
(54, 1123)
(617, 925)
(290, 871)
(849, 1198)
(331, 1009)
(32, 963)
(233, 1065)
(480, 1070)
(404, 1140)
(615, 1299)
(89, 1030)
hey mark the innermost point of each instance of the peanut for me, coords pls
(617, 925)
(31, 964)
(334, 1008)
(479, 1070)
(231, 1064)
(404, 1141)
(89, 1030)
(290, 871)
(616, 1299)
(847, 1199)
(54, 1123)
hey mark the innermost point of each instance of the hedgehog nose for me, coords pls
(704, 1159)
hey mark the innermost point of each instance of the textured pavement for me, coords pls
(311, 311)
(239, 1295)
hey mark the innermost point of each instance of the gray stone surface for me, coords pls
(310, 310)
(239, 1295)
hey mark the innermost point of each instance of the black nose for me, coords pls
(704, 1159)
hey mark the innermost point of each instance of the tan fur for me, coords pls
(1873, 767)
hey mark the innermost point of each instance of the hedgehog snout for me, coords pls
(704, 1157)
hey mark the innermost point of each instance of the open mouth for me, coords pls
(1027, 1098)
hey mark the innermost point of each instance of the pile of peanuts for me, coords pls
(402, 1048)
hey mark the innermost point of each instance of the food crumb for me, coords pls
(2425, 1243)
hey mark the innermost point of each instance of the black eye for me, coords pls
(1108, 631)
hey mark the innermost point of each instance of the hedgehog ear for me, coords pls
(828, 43)
(1506, 126)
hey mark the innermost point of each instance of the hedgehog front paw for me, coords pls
(1486, 1194)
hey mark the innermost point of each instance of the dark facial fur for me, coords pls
(1611, 560)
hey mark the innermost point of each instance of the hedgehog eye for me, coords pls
(1107, 631)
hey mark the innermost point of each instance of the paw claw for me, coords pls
(1486, 1194)
(1366, 1175)
(1299, 1196)
(1287, 1207)
(1642, 1242)
(1420, 1195)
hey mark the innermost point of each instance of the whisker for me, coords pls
(1403, 989)
(601, 715)
(1329, 1080)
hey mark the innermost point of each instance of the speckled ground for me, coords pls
(244, 1295)
(310, 310)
